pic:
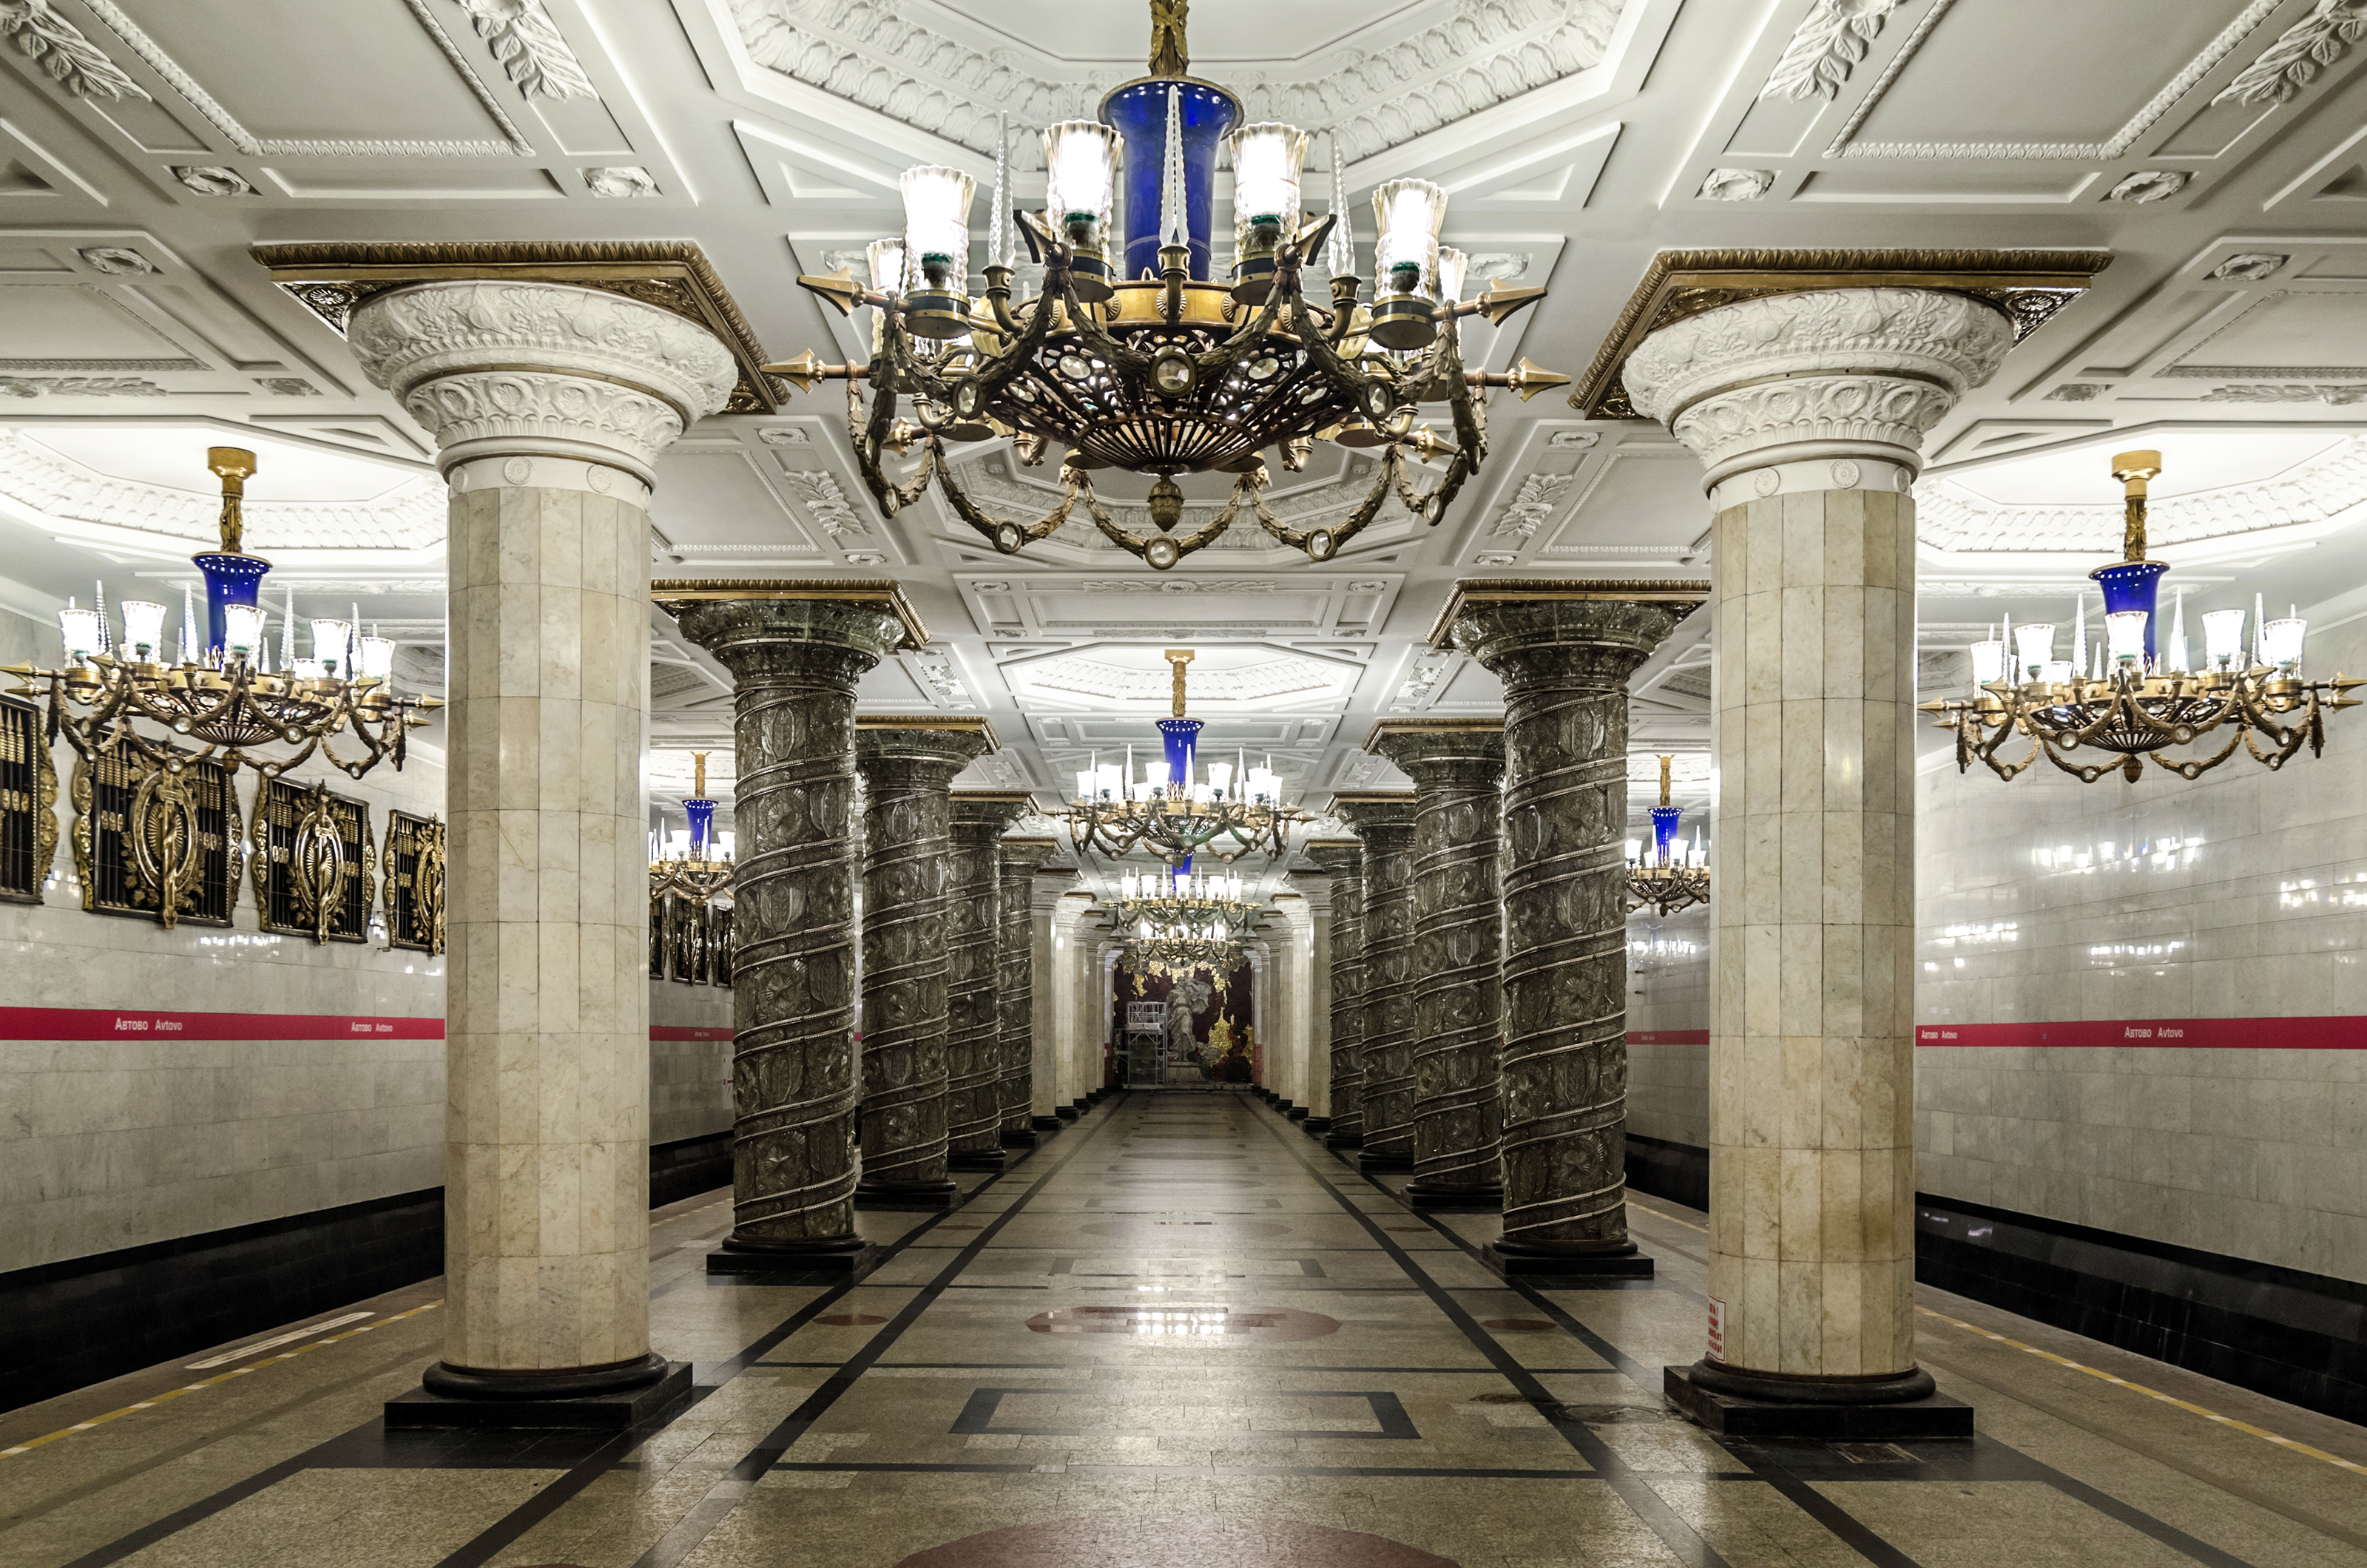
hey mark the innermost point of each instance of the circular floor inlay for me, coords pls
(850, 1320)
(1517, 1325)
(1184, 1541)
(1177, 1320)
(1167, 1229)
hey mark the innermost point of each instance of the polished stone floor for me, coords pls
(1179, 1334)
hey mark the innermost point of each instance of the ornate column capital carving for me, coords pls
(1443, 759)
(1832, 375)
(500, 369)
(830, 640)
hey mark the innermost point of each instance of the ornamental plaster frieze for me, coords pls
(408, 516)
(888, 58)
(1953, 517)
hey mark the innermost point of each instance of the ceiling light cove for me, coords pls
(1224, 679)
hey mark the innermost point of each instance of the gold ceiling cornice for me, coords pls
(974, 724)
(331, 278)
(1433, 727)
(668, 591)
(2028, 286)
(1689, 593)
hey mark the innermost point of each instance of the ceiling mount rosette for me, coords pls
(1133, 357)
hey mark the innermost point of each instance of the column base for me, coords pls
(1278, 1103)
(1518, 1260)
(1379, 1159)
(975, 1160)
(1297, 1113)
(837, 1261)
(1066, 1112)
(1316, 1126)
(609, 1399)
(1019, 1138)
(1084, 1102)
(1820, 1409)
(1423, 1198)
(1351, 1139)
(927, 1197)
(1045, 1124)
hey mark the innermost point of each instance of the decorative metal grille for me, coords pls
(163, 841)
(28, 800)
(415, 882)
(315, 860)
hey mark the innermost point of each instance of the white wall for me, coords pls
(1667, 993)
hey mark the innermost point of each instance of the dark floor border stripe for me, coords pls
(725, 1496)
(1682, 1539)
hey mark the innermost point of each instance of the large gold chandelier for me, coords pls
(1668, 876)
(699, 869)
(223, 692)
(1194, 904)
(2136, 701)
(1133, 357)
(1178, 808)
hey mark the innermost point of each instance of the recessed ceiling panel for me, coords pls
(76, 324)
(716, 504)
(2291, 330)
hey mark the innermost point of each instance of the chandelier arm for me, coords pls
(1431, 507)
(1391, 461)
(892, 498)
(1340, 372)
(2288, 741)
(991, 526)
(2089, 772)
(2195, 767)
(998, 371)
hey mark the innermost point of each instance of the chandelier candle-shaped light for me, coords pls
(1176, 807)
(2133, 700)
(702, 870)
(221, 694)
(1134, 357)
(1668, 877)
(1190, 904)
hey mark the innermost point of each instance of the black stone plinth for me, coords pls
(1083, 1102)
(1343, 1139)
(421, 1411)
(1316, 1126)
(1019, 1138)
(1481, 1199)
(920, 1197)
(1279, 1105)
(1066, 1112)
(1521, 1264)
(835, 1265)
(1730, 1414)
(1384, 1162)
(1297, 1113)
(975, 1160)
(1045, 1124)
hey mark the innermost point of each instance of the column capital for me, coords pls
(1382, 820)
(1443, 754)
(1337, 857)
(984, 814)
(1832, 378)
(949, 749)
(507, 368)
(1029, 851)
(836, 640)
(1591, 640)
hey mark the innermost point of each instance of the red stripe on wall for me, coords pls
(2169, 1034)
(1667, 1037)
(110, 1023)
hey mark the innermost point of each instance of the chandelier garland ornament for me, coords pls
(701, 871)
(1669, 877)
(1177, 956)
(1176, 810)
(1191, 904)
(2136, 701)
(223, 692)
(1142, 362)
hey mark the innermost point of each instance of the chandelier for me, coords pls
(1176, 809)
(1132, 357)
(2136, 701)
(1196, 902)
(1669, 877)
(223, 692)
(1177, 956)
(701, 870)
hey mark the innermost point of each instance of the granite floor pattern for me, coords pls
(1179, 1333)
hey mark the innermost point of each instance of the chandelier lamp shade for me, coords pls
(1666, 876)
(2136, 695)
(695, 865)
(1133, 356)
(222, 700)
(1163, 903)
(1176, 806)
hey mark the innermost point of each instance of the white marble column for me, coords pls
(1317, 938)
(1072, 947)
(549, 405)
(1808, 411)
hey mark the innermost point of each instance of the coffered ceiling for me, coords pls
(2213, 146)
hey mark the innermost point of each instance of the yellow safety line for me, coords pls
(220, 1378)
(2188, 1405)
